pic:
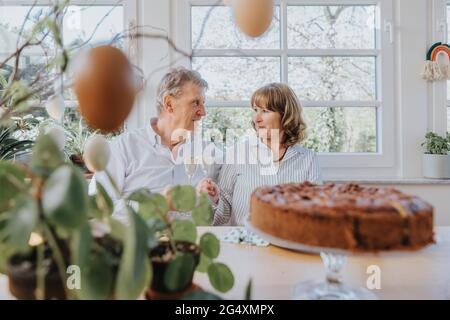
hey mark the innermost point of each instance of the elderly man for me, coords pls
(154, 157)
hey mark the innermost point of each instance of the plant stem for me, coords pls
(113, 183)
(61, 265)
(40, 273)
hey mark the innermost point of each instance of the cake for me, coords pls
(346, 216)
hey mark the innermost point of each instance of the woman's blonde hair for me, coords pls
(281, 98)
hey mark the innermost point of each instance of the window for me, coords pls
(84, 24)
(448, 82)
(335, 55)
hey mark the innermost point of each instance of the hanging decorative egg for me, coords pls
(253, 17)
(104, 87)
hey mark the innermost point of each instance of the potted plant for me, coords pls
(47, 226)
(175, 250)
(77, 134)
(11, 147)
(436, 160)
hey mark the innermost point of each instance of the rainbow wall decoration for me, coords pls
(437, 66)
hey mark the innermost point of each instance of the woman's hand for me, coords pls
(209, 187)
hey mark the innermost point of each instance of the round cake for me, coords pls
(345, 216)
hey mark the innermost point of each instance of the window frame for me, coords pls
(385, 155)
(130, 14)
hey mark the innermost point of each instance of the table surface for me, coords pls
(274, 271)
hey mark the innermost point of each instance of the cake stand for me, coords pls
(333, 260)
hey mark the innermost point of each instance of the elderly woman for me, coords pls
(272, 157)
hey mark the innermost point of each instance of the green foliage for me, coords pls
(436, 144)
(11, 147)
(183, 198)
(153, 209)
(46, 156)
(77, 134)
(12, 183)
(23, 219)
(64, 198)
(179, 272)
(203, 213)
(220, 276)
(184, 230)
(210, 245)
(135, 271)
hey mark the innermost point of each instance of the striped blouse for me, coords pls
(238, 179)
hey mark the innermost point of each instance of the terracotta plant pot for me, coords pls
(21, 271)
(160, 258)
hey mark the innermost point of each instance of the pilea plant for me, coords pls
(175, 249)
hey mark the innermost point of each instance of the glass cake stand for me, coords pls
(333, 260)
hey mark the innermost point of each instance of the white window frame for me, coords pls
(385, 156)
(130, 18)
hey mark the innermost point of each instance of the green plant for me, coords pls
(76, 136)
(154, 210)
(50, 201)
(11, 147)
(436, 144)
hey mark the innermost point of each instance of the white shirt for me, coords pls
(252, 170)
(139, 160)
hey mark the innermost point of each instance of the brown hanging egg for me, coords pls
(253, 17)
(105, 89)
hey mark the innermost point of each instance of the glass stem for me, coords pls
(333, 265)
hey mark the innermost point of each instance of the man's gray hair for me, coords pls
(173, 82)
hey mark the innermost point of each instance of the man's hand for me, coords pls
(209, 187)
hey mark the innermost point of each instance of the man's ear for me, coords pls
(168, 103)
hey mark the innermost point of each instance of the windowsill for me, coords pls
(391, 181)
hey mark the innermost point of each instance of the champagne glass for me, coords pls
(190, 168)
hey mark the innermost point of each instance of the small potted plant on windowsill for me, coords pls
(175, 250)
(436, 160)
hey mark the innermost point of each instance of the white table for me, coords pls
(422, 274)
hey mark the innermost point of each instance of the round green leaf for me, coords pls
(11, 182)
(140, 195)
(220, 276)
(46, 155)
(184, 230)
(22, 221)
(204, 263)
(81, 243)
(135, 272)
(183, 198)
(210, 245)
(65, 198)
(103, 200)
(203, 214)
(155, 206)
(179, 272)
(96, 278)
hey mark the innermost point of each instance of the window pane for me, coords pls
(448, 22)
(93, 24)
(232, 123)
(236, 78)
(448, 82)
(11, 20)
(448, 118)
(333, 78)
(213, 28)
(341, 129)
(331, 27)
